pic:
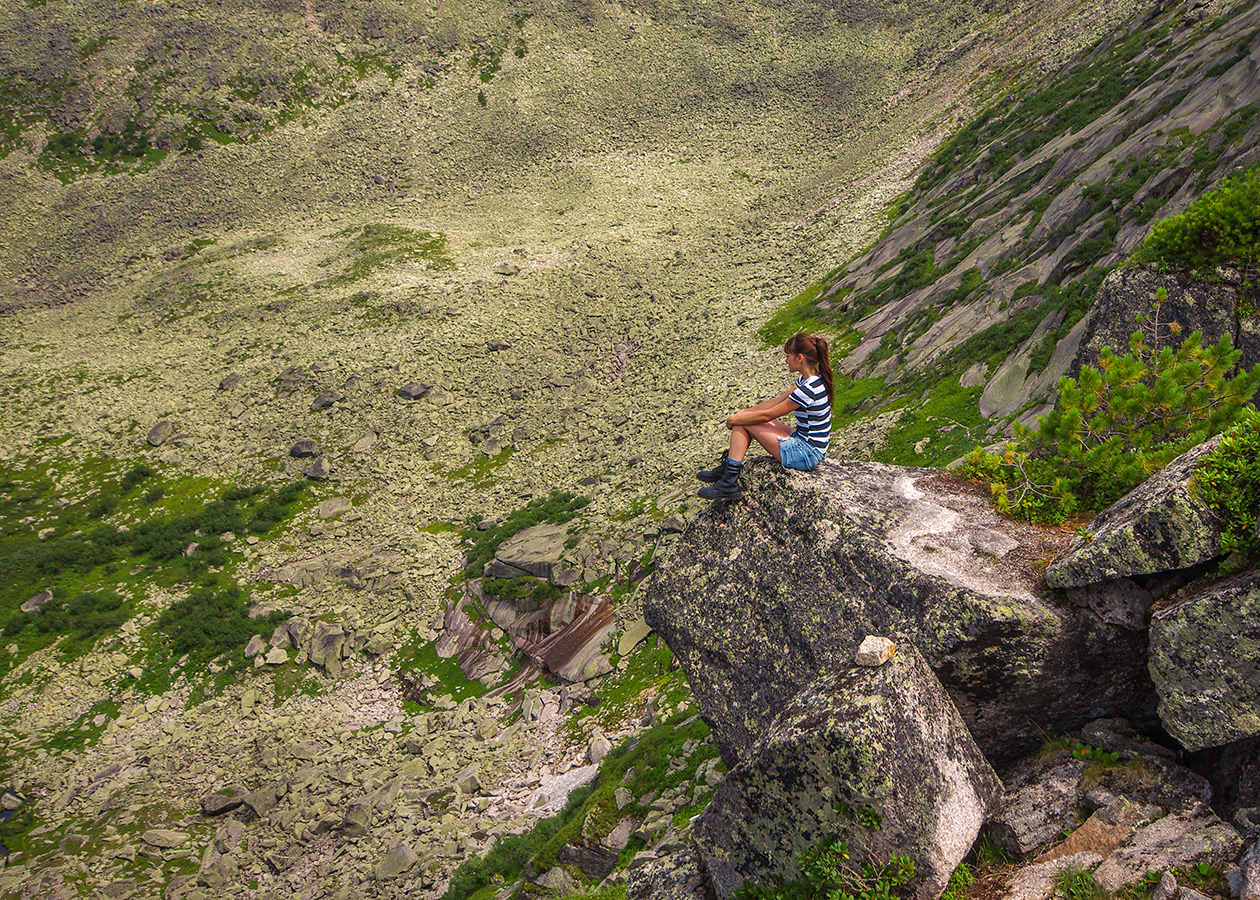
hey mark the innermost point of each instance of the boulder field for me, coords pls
(1081, 668)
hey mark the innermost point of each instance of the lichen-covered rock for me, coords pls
(1045, 792)
(1203, 661)
(764, 594)
(1249, 887)
(1159, 526)
(160, 433)
(1187, 837)
(1127, 293)
(674, 876)
(1040, 803)
(859, 747)
(534, 550)
(1038, 882)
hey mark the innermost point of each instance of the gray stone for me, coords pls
(1128, 293)
(1185, 838)
(1203, 662)
(507, 269)
(1159, 526)
(874, 651)
(326, 399)
(319, 470)
(598, 748)
(763, 595)
(467, 781)
(1038, 881)
(676, 876)
(1105, 830)
(535, 550)
(619, 837)
(1167, 889)
(558, 881)
(277, 656)
(222, 801)
(34, 604)
(887, 742)
(632, 636)
(160, 433)
(1040, 805)
(414, 390)
(333, 507)
(164, 838)
(255, 646)
(595, 862)
(1249, 865)
(261, 801)
(357, 819)
(550, 798)
(304, 449)
(396, 861)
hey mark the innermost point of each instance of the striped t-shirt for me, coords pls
(813, 412)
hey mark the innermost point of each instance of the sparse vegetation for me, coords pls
(1117, 424)
(557, 508)
(1228, 480)
(86, 561)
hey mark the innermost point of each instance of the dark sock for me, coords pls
(732, 464)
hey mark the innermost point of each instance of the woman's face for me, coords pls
(794, 362)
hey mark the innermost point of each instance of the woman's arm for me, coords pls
(765, 411)
(772, 402)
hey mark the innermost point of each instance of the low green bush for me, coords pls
(829, 873)
(211, 622)
(1117, 424)
(1221, 228)
(1228, 480)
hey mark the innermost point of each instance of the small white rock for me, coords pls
(875, 651)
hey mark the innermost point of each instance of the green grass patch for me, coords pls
(100, 553)
(376, 246)
(480, 470)
(936, 428)
(422, 657)
(797, 315)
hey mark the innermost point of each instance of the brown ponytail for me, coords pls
(815, 350)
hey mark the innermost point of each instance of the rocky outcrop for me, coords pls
(1158, 528)
(766, 593)
(877, 756)
(1204, 653)
(1192, 305)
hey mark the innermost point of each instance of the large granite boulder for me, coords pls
(877, 756)
(765, 593)
(534, 551)
(1126, 294)
(1205, 662)
(1157, 528)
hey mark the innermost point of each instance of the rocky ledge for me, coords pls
(993, 636)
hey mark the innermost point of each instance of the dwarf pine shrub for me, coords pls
(1117, 424)
(1221, 228)
(1228, 480)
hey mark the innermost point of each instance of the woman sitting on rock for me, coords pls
(809, 400)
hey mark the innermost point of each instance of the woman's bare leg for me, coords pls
(766, 434)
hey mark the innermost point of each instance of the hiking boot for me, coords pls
(726, 487)
(714, 474)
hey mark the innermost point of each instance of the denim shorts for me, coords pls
(797, 453)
